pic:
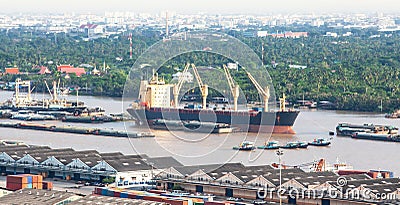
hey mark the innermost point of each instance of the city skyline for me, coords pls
(208, 6)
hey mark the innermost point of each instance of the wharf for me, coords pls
(76, 130)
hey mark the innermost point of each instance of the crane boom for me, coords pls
(232, 86)
(262, 91)
(196, 74)
(178, 86)
(203, 87)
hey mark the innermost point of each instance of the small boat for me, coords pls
(302, 144)
(395, 114)
(246, 146)
(320, 142)
(270, 145)
(294, 145)
(290, 145)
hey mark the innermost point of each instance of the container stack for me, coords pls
(154, 196)
(16, 182)
(47, 185)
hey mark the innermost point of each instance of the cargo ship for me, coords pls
(155, 103)
(23, 100)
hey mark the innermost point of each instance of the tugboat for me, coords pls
(302, 144)
(294, 145)
(245, 146)
(270, 145)
(290, 145)
(320, 142)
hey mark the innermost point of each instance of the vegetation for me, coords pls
(108, 180)
(357, 72)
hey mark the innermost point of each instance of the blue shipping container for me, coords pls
(110, 193)
(104, 192)
(139, 197)
(123, 195)
(29, 179)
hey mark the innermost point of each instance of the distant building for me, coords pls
(95, 71)
(68, 69)
(249, 34)
(12, 71)
(347, 34)
(232, 66)
(262, 33)
(331, 34)
(91, 29)
(289, 34)
(298, 66)
(187, 77)
(44, 70)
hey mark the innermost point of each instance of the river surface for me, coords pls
(200, 148)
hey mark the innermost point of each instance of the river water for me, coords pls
(200, 148)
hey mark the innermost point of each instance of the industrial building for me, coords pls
(47, 197)
(262, 182)
(87, 165)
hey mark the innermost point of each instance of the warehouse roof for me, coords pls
(34, 196)
(162, 162)
(92, 199)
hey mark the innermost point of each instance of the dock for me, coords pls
(76, 130)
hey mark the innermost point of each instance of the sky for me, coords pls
(195, 6)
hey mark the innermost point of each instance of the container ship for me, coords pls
(154, 103)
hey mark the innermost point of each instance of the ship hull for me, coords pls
(40, 108)
(280, 122)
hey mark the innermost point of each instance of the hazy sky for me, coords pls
(209, 6)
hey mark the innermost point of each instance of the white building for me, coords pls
(187, 77)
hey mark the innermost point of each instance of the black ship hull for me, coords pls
(40, 108)
(252, 121)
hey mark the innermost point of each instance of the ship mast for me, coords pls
(262, 91)
(233, 87)
(282, 105)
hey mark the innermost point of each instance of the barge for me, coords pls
(346, 129)
(191, 126)
(378, 137)
(76, 130)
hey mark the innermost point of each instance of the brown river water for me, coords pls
(200, 148)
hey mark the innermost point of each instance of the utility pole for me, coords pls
(279, 152)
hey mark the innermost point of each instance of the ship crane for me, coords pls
(314, 166)
(233, 87)
(177, 87)
(203, 87)
(262, 91)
